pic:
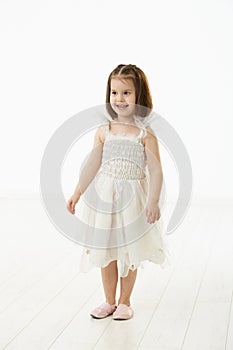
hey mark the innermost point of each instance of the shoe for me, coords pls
(123, 312)
(103, 310)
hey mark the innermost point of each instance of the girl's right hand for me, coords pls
(72, 202)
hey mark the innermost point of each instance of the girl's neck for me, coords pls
(121, 119)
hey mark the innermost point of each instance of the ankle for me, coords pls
(110, 301)
(124, 301)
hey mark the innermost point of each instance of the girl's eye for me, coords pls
(126, 92)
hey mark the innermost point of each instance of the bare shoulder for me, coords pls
(151, 145)
(99, 137)
(149, 137)
(101, 131)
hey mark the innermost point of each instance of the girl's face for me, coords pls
(123, 97)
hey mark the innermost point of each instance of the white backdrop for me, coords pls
(55, 60)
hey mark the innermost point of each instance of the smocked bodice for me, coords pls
(123, 155)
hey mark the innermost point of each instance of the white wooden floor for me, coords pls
(45, 302)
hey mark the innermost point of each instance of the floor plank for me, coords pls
(19, 314)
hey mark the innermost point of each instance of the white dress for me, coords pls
(117, 227)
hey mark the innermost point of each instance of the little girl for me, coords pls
(123, 149)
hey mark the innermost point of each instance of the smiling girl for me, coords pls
(125, 148)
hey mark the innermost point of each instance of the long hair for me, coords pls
(143, 102)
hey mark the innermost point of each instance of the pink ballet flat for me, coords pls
(123, 312)
(103, 310)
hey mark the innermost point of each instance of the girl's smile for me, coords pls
(122, 107)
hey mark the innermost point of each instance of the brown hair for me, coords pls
(143, 101)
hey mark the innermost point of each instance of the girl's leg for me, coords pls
(109, 279)
(127, 284)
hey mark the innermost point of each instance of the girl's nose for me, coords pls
(120, 97)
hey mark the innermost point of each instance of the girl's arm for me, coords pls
(156, 175)
(92, 166)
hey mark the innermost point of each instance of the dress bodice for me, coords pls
(124, 155)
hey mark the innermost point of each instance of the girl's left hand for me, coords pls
(152, 212)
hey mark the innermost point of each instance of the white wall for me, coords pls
(56, 57)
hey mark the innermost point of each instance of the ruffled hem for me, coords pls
(123, 268)
(152, 247)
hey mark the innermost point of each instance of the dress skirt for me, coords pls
(116, 226)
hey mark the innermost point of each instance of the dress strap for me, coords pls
(142, 134)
